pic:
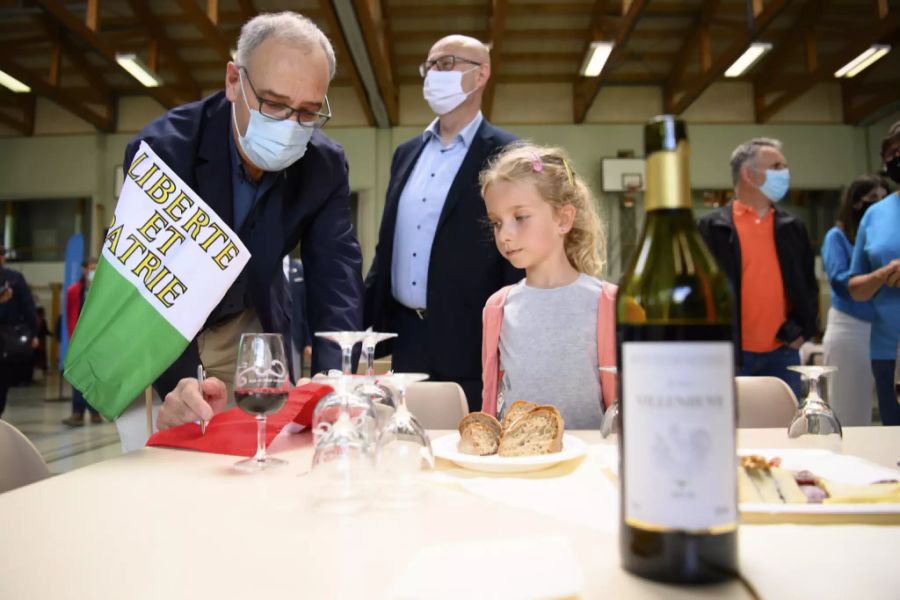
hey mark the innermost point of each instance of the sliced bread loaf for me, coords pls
(479, 417)
(539, 431)
(515, 410)
(479, 439)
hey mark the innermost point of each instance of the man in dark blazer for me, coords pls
(256, 155)
(436, 263)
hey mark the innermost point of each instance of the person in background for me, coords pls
(18, 321)
(767, 255)
(849, 325)
(545, 337)
(43, 332)
(434, 265)
(75, 296)
(875, 276)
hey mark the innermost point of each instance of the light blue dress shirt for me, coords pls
(419, 210)
(877, 244)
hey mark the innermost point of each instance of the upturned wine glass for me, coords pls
(814, 417)
(404, 448)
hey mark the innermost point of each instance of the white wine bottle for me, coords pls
(676, 355)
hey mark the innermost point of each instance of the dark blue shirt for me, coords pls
(837, 252)
(245, 192)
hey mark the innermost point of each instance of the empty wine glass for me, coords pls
(814, 418)
(343, 462)
(345, 397)
(380, 395)
(610, 423)
(260, 389)
(372, 339)
(404, 448)
(346, 340)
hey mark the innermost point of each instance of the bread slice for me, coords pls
(479, 439)
(539, 431)
(759, 481)
(480, 417)
(515, 410)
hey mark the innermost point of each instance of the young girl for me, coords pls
(545, 336)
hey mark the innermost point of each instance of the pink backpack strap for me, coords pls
(492, 319)
(606, 340)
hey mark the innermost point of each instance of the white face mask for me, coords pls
(443, 90)
(271, 145)
(90, 276)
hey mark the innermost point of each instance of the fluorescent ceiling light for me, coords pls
(596, 58)
(749, 58)
(863, 61)
(13, 84)
(138, 70)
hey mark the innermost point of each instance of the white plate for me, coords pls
(446, 447)
(842, 468)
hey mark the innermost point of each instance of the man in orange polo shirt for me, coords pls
(767, 256)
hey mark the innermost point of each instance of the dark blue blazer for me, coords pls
(311, 204)
(465, 266)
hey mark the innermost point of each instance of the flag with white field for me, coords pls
(167, 261)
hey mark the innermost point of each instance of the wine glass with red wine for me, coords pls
(261, 389)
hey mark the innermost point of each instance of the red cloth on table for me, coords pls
(234, 431)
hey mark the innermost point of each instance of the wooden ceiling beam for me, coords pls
(585, 89)
(623, 79)
(64, 48)
(341, 49)
(78, 30)
(855, 112)
(694, 42)
(372, 23)
(92, 15)
(766, 106)
(207, 28)
(681, 92)
(248, 10)
(167, 47)
(499, 10)
(102, 122)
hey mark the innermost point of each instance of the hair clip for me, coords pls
(536, 164)
(569, 172)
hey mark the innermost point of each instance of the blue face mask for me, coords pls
(271, 145)
(776, 185)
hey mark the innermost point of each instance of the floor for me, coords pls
(37, 410)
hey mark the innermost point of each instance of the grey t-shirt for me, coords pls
(548, 349)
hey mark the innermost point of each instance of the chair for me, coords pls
(20, 461)
(764, 402)
(437, 404)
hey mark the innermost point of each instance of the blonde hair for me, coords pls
(551, 172)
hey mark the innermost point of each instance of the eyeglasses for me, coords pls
(280, 112)
(444, 63)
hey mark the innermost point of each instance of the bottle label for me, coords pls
(679, 461)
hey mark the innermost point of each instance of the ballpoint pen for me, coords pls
(201, 375)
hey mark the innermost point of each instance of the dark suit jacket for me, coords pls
(311, 204)
(795, 255)
(300, 333)
(465, 267)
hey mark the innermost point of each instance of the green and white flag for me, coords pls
(167, 261)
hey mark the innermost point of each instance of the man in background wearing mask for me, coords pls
(435, 264)
(75, 296)
(766, 253)
(256, 155)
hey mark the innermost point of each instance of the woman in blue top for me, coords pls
(875, 275)
(849, 322)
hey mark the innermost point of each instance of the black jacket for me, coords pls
(795, 255)
(465, 267)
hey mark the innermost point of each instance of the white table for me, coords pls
(165, 524)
